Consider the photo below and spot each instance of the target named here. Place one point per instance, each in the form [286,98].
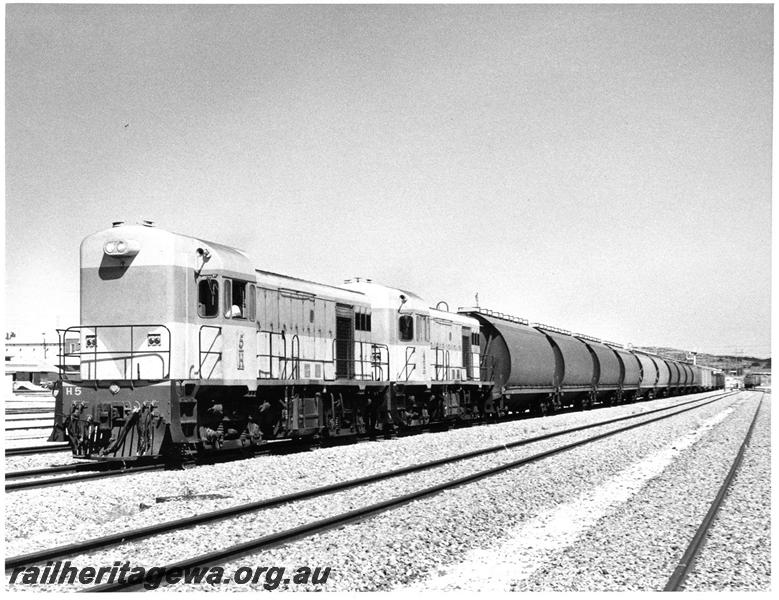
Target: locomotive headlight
[121,247]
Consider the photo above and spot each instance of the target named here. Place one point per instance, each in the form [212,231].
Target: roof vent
[117,223]
[147,223]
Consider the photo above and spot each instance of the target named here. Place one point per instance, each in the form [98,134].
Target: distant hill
[740,365]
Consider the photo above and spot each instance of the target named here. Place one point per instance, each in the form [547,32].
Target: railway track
[101,473]
[29,411]
[28,427]
[277,446]
[112,468]
[687,560]
[28,450]
[354,515]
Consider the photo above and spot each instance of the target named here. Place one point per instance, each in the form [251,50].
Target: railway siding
[638,546]
[539,539]
[736,555]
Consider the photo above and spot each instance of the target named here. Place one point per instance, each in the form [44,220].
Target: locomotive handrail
[374,361]
[349,360]
[203,355]
[285,361]
[405,369]
[436,362]
[371,363]
[294,358]
[270,356]
[378,364]
[470,372]
[445,365]
[94,352]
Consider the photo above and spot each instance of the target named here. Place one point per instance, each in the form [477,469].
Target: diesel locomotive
[184,348]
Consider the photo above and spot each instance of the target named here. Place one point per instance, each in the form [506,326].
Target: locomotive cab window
[239,300]
[406,328]
[207,298]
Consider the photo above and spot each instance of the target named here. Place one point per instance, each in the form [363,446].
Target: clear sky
[606,169]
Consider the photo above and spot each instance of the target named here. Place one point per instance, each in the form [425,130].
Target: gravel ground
[637,547]
[38,461]
[427,537]
[21,439]
[388,548]
[736,555]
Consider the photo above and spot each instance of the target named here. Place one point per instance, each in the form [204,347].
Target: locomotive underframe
[135,419]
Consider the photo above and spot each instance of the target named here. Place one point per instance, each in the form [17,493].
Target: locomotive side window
[362,321]
[238,300]
[251,305]
[406,328]
[228,298]
[208,298]
[423,328]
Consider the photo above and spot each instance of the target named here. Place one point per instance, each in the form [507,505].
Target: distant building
[37,362]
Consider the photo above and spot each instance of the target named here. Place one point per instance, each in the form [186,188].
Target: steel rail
[156,529]
[687,561]
[36,483]
[58,469]
[25,450]
[26,428]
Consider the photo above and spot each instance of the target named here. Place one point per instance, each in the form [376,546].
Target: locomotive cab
[163,316]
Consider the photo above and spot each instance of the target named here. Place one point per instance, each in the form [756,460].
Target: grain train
[187,348]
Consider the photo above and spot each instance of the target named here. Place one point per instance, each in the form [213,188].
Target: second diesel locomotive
[184,347]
